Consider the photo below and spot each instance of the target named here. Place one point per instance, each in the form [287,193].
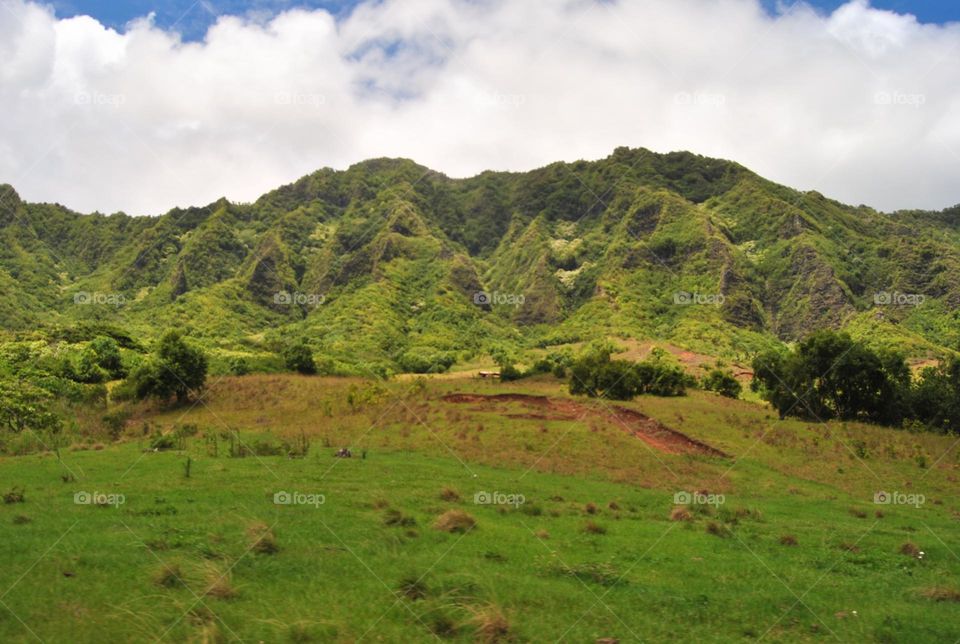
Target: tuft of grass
[169,575]
[449,495]
[717,529]
[264,540]
[849,547]
[218,584]
[788,540]
[455,521]
[590,508]
[21,519]
[680,514]
[491,624]
[941,594]
[599,573]
[910,548]
[592,527]
[14,495]
[412,587]
[398,518]
[857,512]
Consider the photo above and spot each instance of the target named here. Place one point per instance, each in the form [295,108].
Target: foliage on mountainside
[389,266]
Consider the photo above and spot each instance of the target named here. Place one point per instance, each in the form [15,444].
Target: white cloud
[863,104]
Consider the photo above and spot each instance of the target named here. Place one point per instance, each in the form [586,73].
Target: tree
[723,383]
[176,369]
[829,375]
[299,358]
[596,375]
[107,354]
[936,398]
[24,406]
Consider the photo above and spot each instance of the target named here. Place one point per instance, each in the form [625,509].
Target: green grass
[342,572]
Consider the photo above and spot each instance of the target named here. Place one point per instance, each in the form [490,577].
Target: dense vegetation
[388,267]
[596,375]
[829,375]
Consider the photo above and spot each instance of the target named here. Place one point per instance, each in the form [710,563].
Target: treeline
[831,376]
[594,374]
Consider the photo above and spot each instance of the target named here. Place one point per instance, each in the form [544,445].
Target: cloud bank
[862,105]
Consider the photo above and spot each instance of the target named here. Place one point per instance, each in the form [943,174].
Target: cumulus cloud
[861,104]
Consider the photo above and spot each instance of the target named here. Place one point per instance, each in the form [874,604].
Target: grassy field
[485,520]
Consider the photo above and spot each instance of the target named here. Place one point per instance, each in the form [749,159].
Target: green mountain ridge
[379,266]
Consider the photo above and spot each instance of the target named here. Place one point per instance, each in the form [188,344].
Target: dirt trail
[650,431]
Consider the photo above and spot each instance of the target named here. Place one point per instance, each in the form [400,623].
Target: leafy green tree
[107,353]
[596,375]
[723,383]
[299,357]
[87,369]
[24,406]
[936,398]
[176,369]
[831,376]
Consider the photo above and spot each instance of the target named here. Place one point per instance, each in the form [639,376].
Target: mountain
[391,266]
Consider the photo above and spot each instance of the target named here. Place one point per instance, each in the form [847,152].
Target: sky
[143,106]
[192,18]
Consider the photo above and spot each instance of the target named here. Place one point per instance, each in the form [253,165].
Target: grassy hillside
[599,547]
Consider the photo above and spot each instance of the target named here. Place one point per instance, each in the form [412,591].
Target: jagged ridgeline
[393,266]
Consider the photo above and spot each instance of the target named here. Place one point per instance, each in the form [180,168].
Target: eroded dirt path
[650,431]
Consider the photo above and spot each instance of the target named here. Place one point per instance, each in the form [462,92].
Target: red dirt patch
[650,431]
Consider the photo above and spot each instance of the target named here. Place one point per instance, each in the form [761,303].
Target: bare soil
[650,431]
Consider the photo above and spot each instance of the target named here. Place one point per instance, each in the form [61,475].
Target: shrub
[299,357]
[596,375]
[238,366]
[723,383]
[176,369]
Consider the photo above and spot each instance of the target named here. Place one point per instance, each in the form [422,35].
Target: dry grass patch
[910,548]
[455,521]
[591,527]
[681,514]
[218,584]
[264,541]
[941,594]
[449,495]
[492,624]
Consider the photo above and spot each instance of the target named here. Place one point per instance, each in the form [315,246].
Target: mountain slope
[380,265]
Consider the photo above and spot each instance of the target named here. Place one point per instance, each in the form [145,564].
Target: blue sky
[192,17]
